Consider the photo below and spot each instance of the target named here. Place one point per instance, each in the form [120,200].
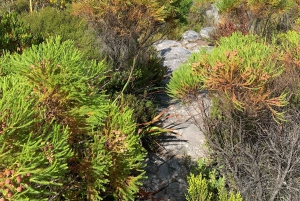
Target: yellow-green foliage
[14,35]
[143,15]
[33,154]
[289,40]
[198,188]
[122,144]
[238,71]
[289,80]
[247,80]
[205,186]
[184,81]
[50,21]
[61,138]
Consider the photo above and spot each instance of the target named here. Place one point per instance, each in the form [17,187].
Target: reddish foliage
[229,26]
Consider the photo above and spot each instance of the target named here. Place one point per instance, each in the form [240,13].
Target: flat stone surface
[165,44]
[172,53]
[190,35]
[172,57]
[186,121]
[206,32]
[192,46]
[173,64]
[163,171]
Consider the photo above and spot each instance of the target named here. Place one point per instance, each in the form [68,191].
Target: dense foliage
[32,6]
[14,35]
[262,17]
[205,184]
[128,28]
[82,145]
[251,127]
[53,22]
[61,137]
[75,110]
[239,70]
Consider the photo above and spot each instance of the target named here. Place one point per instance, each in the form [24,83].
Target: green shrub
[196,18]
[184,81]
[128,28]
[33,154]
[24,6]
[63,131]
[239,72]
[17,6]
[206,185]
[288,81]
[180,9]
[263,17]
[53,22]
[144,110]
[14,35]
[126,153]
[249,81]
[144,78]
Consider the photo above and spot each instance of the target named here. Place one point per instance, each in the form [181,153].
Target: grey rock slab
[171,53]
[173,57]
[193,135]
[206,48]
[162,195]
[176,191]
[174,188]
[174,165]
[165,44]
[191,112]
[191,143]
[172,65]
[206,32]
[190,35]
[155,160]
[163,172]
[212,15]
[192,46]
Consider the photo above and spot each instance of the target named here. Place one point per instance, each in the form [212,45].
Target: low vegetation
[251,128]
[77,116]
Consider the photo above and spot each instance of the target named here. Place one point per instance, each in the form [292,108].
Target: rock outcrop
[206,32]
[212,15]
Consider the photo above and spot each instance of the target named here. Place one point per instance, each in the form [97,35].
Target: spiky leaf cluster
[61,137]
[239,71]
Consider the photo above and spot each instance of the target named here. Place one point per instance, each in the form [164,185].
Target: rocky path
[167,169]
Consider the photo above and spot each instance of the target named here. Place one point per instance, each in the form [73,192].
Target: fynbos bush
[128,28]
[61,138]
[206,185]
[249,81]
